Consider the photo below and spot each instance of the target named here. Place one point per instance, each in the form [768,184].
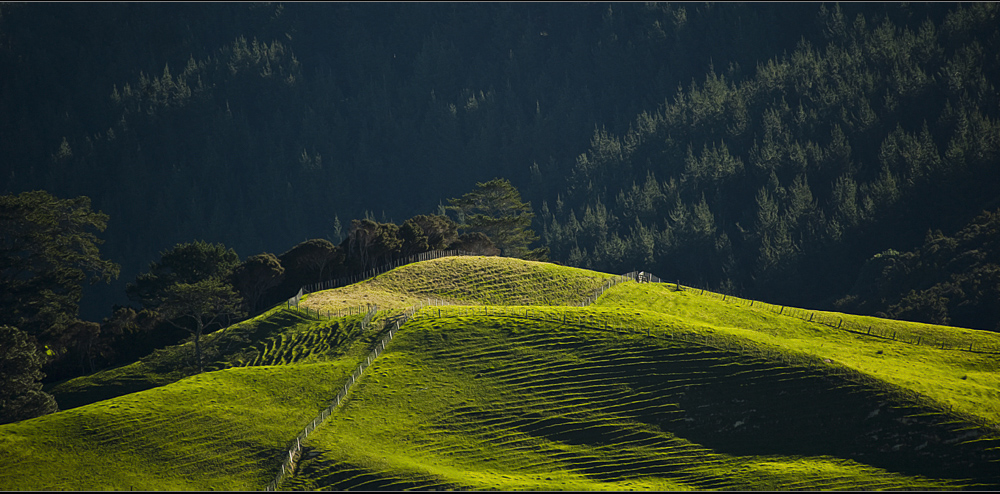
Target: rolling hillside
[507,382]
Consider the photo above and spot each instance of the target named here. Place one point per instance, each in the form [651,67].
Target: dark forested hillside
[782,184]
[766,148]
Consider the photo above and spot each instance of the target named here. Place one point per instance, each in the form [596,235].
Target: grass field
[964,381]
[218,430]
[470,401]
[510,385]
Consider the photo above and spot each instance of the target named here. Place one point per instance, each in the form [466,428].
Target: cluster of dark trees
[49,250]
[947,280]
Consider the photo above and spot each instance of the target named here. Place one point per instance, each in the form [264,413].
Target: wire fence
[838,321]
[329,314]
[633,276]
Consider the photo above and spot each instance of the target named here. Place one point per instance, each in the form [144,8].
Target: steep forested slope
[759,148]
[780,185]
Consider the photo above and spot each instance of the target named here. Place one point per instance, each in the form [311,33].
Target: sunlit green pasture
[510,385]
[219,430]
[465,400]
[466,279]
[277,336]
[965,381]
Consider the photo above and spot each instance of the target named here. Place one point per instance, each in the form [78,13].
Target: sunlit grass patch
[473,401]
[966,381]
[245,343]
[469,280]
[218,430]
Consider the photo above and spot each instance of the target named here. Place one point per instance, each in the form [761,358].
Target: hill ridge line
[838,322]
[373,272]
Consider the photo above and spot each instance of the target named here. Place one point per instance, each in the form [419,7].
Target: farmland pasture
[466,401]
[507,383]
[217,430]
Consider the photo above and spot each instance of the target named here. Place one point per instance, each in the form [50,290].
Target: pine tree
[496,210]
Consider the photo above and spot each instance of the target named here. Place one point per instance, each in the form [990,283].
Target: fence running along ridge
[839,322]
[331,314]
[634,275]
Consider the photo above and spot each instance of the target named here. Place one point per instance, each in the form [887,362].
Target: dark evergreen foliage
[21,395]
[184,263]
[255,276]
[48,252]
[495,209]
[778,186]
[947,280]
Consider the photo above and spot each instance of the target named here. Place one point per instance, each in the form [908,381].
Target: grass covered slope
[512,386]
[462,400]
[968,382]
[469,280]
[218,430]
[278,336]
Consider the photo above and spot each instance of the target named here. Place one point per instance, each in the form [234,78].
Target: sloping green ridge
[531,396]
[966,382]
[218,430]
[211,431]
[470,279]
[480,402]
[262,340]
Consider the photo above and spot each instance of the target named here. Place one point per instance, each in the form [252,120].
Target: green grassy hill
[511,385]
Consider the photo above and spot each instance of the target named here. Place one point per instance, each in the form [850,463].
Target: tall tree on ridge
[495,209]
[184,263]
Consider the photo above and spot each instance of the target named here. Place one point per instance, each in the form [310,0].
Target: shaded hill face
[781,184]
[517,402]
[222,120]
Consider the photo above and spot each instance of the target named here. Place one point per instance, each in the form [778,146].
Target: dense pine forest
[830,156]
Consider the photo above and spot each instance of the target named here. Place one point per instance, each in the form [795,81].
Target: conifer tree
[495,209]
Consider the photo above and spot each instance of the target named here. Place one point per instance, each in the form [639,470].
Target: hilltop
[506,381]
